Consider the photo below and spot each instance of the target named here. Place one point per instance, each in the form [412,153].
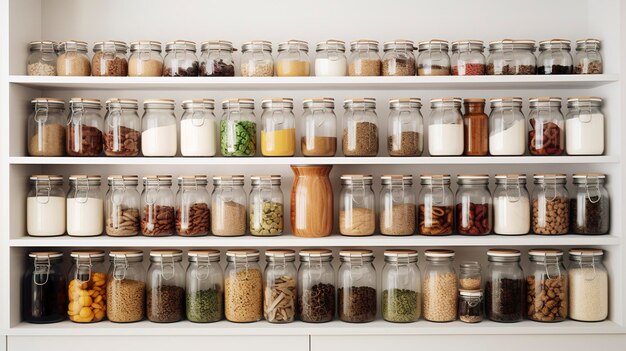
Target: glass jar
[256,59]
[445,130]
[433,59]
[238,128]
[216,59]
[364,59]
[192,206]
[126,286]
[109,59]
[439,287]
[243,286]
[180,59]
[357,207]
[550,204]
[471,306]
[45,206]
[397,205]
[476,128]
[198,128]
[436,205]
[266,206]
[584,126]
[588,59]
[279,298]
[42,59]
[547,286]
[84,128]
[507,127]
[588,285]
[504,290]
[122,206]
[554,57]
[330,60]
[228,206]
[590,204]
[360,127]
[511,57]
[402,287]
[405,127]
[470,276]
[205,286]
[467,58]
[511,205]
[398,59]
[356,292]
[87,288]
[546,136]
[473,205]
[320,128]
[44,296]
[157,200]
[122,128]
[158,125]
[278,132]
[85,206]
[145,59]
[311,210]
[46,127]
[165,298]
[316,286]
[73,59]
[293,59]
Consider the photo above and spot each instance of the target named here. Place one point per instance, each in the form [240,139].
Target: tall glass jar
[158,125]
[467,58]
[192,206]
[228,206]
[550,204]
[122,208]
[109,59]
[397,205]
[243,286]
[84,128]
[356,294]
[547,286]
[205,286]
[42,59]
[398,59]
[256,59]
[584,126]
[122,128]
[44,297]
[293,59]
[511,57]
[126,286]
[504,290]
[433,59]
[546,136]
[180,59]
[476,128]
[46,127]
[165,297]
[330,60]
[445,128]
[198,128]
[473,205]
[85,206]
[471,306]
[145,59]
[45,206]
[511,205]
[439,287]
[364,59]
[405,127]
[588,285]
[278,132]
[157,201]
[360,127]
[554,57]
[266,206]
[280,295]
[316,286]
[216,59]
[320,128]
[238,128]
[402,287]
[470,276]
[590,204]
[357,205]
[507,127]
[311,204]
[436,205]
[73,59]
[588,59]
[87,288]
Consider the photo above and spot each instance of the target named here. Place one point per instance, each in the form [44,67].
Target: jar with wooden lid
[238,128]
[584,126]
[159,131]
[228,206]
[44,298]
[109,59]
[316,286]
[546,136]
[504,290]
[42,58]
[45,206]
[180,59]
[46,127]
[398,210]
[278,132]
[126,286]
[364,59]
[192,206]
[204,286]
[398,59]
[436,205]
[507,127]
[311,209]
[165,295]
[547,286]
[446,127]
[356,294]
[360,128]
[266,209]
[122,207]
[293,59]
[554,57]
[439,286]
[145,59]
[402,287]
[511,57]
[216,59]
[467,58]
[85,206]
[198,128]
[243,286]
[256,59]
[280,294]
[87,287]
[473,205]
[158,202]
[73,59]
[588,59]
[511,205]
[588,285]
[476,128]
[330,60]
[405,127]
[122,128]
[433,58]
[84,128]
[590,204]
[550,204]
[357,205]
[320,128]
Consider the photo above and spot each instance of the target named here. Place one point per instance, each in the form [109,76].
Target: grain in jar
[46,127]
[192,206]
[320,128]
[589,285]
[126,287]
[266,208]
[439,287]
[228,206]
[588,59]
[357,207]
[546,286]
[470,277]
[433,58]
[280,293]
[122,206]
[42,58]
[398,210]
[45,206]
[204,286]
[84,128]
[87,287]
[356,294]
[158,215]
[360,128]
[109,59]
[145,59]
[550,205]
[293,59]
[256,59]
[243,286]
[165,294]
[364,59]
[330,60]
[398,59]
[73,59]
[85,206]
[405,127]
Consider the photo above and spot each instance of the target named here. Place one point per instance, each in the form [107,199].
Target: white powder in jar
[325,67]
[510,141]
[45,216]
[511,215]
[85,216]
[445,139]
[588,294]
[196,139]
[159,141]
[585,138]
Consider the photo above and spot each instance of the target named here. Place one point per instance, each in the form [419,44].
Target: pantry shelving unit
[24,20]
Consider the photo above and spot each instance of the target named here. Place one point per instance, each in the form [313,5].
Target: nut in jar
[87,288]
[547,286]
[550,207]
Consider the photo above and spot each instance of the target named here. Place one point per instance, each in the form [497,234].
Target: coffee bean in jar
[590,205]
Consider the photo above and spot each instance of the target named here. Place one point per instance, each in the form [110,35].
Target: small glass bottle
[192,206]
[364,59]
[198,128]
[473,205]
[228,206]
[357,207]
[180,59]
[109,59]
[73,59]
[405,127]
[45,206]
[85,206]
[46,127]
[280,295]
[204,286]
[439,287]
[550,204]
[590,204]
[316,286]
[507,127]
[356,294]
[44,298]
[165,296]
[511,57]
[266,206]
[122,206]
[216,59]
[278,131]
[471,306]
[554,57]
[436,205]
[145,59]
[584,126]
[320,128]
[84,128]
[330,60]
[126,286]
[588,59]
[122,128]
[398,210]
[476,128]
[504,289]
[546,136]
[547,286]
[87,288]
[588,285]
[243,286]
[398,59]
[238,128]
[433,59]
[256,59]
[360,128]
[402,287]
[470,276]
[158,125]
[42,59]
[467,58]
[445,128]
[293,59]
[511,205]
[157,201]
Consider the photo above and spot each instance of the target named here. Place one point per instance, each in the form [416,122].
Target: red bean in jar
[473,205]
[467,58]
[546,136]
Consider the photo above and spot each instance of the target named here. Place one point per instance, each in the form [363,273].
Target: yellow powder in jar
[291,68]
[279,142]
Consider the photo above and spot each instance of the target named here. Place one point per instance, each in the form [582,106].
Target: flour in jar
[159,141]
[85,216]
[198,138]
[326,67]
[585,138]
[45,216]
[510,141]
[445,139]
[511,215]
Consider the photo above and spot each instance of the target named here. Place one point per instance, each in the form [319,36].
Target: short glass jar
[109,59]
[470,275]
[439,287]
[46,127]
[330,60]
[433,59]
[467,58]
[204,286]
[473,205]
[266,206]
[216,59]
[228,206]
[165,296]
[554,57]
[122,207]
[73,59]
[360,128]
[87,287]
[84,128]
[584,126]
[293,59]
[511,205]
[320,128]
[357,206]
[278,131]
[436,205]
[280,295]
[192,206]
[398,210]
[85,206]
[476,128]
[316,286]
[256,59]
[546,136]
[547,286]
[504,290]
[126,286]
[398,59]
[198,128]
[588,285]
[158,216]
[402,287]
[590,204]
[511,57]
[158,125]
[145,59]
[44,298]
[446,127]
[42,58]
[122,128]
[507,127]
[405,127]
[588,59]
[364,59]
[45,206]
[356,294]
[238,128]
[550,204]
[471,306]
[243,286]
[180,59]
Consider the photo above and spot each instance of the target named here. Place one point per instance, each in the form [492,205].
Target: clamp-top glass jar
[356,285]
[198,128]
[238,128]
[405,127]
[205,286]
[216,59]
[42,59]
[158,124]
[192,206]
[360,127]
[126,286]
[467,58]
[588,285]
[550,204]
[398,59]
[473,205]
[471,306]
[511,205]
[397,205]
[439,287]
[476,128]
[293,59]
[546,136]
[122,128]
[46,127]
[445,129]
[145,59]
[87,288]
[402,287]
[256,59]
[165,296]
[590,204]
[507,127]
[243,286]
[364,59]
[44,298]
[85,206]
[266,206]
[511,57]
[330,60]
[278,131]
[73,59]
[180,59]
[554,57]
[357,206]
[547,286]
[228,206]
[436,205]
[588,59]
[84,128]
[504,290]
[122,206]
[280,296]
[433,59]
[316,286]
[45,206]
[109,59]
[584,126]
[157,201]
[320,128]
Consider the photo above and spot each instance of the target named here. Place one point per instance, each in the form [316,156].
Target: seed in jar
[357,304]
[165,303]
[257,70]
[439,302]
[592,67]
[205,305]
[41,69]
[408,144]
[398,220]
[433,70]
[511,70]
[52,141]
[362,140]
[317,304]
[399,67]
[243,296]
[469,69]
[364,67]
[125,300]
